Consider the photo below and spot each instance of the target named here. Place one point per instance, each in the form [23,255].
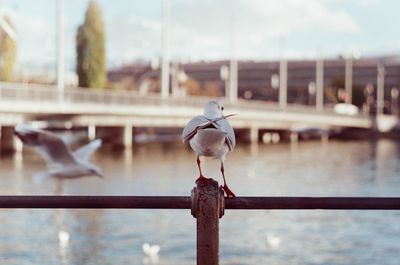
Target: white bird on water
[151,252]
[62,163]
[211,135]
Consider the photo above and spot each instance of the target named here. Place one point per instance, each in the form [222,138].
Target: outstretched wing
[194,124]
[70,139]
[84,152]
[49,145]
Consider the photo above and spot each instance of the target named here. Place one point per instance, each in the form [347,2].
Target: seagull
[273,240]
[151,252]
[211,135]
[63,238]
[62,163]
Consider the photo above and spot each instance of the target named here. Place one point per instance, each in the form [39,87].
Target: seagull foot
[228,192]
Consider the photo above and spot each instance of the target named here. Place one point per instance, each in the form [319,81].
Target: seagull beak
[100,175]
[230,115]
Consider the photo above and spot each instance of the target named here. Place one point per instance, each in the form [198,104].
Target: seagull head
[213,109]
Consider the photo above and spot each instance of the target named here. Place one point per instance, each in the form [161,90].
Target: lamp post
[380,90]
[282,76]
[319,83]
[349,79]
[224,74]
[165,51]
[60,50]
[394,93]
[312,89]
[233,64]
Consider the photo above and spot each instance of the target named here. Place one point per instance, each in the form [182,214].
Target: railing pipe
[313,203]
[184,202]
[96,202]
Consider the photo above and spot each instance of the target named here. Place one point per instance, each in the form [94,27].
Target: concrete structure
[113,115]
[254,79]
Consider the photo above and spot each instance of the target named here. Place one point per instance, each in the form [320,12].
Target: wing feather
[194,124]
[230,134]
[49,145]
[84,152]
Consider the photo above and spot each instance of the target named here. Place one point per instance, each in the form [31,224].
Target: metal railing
[74,95]
[207,205]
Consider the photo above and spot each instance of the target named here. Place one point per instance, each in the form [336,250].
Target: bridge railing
[207,204]
[35,93]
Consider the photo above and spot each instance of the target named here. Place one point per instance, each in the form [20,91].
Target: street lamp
[394,93]
[60,50]
[165,70]
[312,88]
[275,81]
[380,90]
[224,74]
[369,99]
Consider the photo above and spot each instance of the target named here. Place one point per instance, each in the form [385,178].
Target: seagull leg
[228,192]
[201,178]
[58,187]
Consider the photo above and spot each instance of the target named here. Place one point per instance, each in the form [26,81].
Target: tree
[90,48]
[8,52]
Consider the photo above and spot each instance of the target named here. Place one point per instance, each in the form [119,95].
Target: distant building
[260,80]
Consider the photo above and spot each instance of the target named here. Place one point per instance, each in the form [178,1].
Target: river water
[348,168]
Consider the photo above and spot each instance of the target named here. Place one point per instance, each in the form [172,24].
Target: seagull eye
[222,108]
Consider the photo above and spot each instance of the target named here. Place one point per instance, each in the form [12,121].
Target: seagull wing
[194,124]
[49,145]
[230,134]
[69,138]
[84,152]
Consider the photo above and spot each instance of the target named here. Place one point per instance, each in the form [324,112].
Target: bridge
[121,111]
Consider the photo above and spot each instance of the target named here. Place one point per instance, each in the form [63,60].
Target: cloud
[34,37]
[257,23]
[133,37]
[199,30]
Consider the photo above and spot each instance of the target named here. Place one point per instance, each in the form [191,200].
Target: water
[353,168]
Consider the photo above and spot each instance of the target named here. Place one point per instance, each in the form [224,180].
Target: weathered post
[207,208]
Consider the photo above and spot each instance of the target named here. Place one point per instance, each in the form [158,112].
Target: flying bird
[62,163]
[211,135]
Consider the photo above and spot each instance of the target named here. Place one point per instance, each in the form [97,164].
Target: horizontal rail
[184,202]
[74,95]
[96,202]
[313,203]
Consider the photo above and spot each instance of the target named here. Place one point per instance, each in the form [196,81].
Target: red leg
[201,177]
[198,165]
[228,192]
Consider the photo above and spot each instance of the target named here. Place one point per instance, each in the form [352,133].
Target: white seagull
[62,163]
[211,135]
[151,252]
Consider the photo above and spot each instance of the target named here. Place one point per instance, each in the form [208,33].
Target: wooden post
[207,208]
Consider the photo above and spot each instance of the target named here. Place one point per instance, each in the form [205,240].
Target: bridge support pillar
[8,141]
[253,135]
[127,136]
[91,132]
[294,137]
[117,136]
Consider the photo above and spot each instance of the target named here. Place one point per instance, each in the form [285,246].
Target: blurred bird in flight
[62,163]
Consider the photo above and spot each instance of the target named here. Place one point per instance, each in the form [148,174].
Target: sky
[205,29]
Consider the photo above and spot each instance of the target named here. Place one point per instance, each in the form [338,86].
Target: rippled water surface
[353,168]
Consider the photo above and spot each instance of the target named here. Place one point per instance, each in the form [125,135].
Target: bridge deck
[115,108]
